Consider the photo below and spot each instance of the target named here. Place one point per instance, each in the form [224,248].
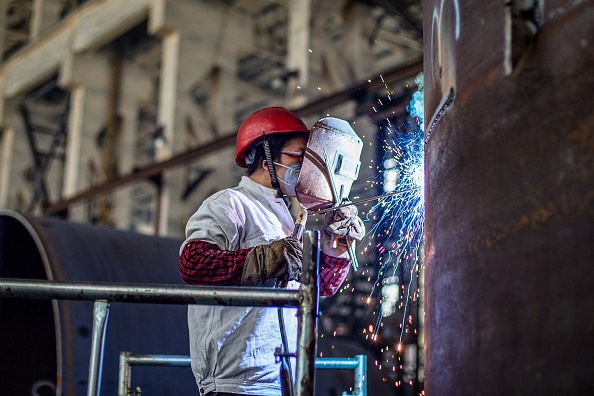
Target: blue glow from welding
[398,220]
[416,107]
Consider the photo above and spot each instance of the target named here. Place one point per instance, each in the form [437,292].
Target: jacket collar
[258,189]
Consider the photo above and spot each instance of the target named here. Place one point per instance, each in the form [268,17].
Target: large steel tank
[45,345]
[509,243]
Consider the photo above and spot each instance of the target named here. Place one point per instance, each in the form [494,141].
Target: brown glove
[280,259]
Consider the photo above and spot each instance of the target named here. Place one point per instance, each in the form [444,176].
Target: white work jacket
[232,348]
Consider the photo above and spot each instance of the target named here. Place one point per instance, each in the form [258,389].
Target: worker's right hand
[281,260]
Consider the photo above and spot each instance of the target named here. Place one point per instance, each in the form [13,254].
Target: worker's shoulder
[227,196]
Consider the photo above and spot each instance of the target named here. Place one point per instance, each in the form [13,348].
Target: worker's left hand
[344,222]
[280,259]
[341,227]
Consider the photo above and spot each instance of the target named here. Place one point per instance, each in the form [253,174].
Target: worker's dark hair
[275,142]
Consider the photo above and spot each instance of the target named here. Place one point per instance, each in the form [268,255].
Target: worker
[241,236]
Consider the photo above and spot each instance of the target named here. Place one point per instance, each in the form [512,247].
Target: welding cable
[300,224]
[286,370]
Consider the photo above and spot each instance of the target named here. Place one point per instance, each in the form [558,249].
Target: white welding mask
[332,159]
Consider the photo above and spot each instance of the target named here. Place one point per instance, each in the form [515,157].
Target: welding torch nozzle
[300,224]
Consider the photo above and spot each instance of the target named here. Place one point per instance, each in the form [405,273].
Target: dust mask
[290,177]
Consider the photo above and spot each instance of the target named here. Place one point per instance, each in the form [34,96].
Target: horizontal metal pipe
[158,360]
[184,361]
[337,363]
[147,293]
[357,363]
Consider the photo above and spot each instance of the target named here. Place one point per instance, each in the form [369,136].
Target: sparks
[398,220]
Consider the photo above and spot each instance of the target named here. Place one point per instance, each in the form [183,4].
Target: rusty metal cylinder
[45,345]
[509,243]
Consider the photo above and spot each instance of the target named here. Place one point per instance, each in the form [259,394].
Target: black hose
[286,371]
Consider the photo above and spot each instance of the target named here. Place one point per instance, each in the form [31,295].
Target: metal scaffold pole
[308,316]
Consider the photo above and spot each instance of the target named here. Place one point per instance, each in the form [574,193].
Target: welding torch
[337,202]
[364,200]
[297,234]
[300,224]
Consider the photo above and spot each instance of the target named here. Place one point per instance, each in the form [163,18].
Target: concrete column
[72,166]
[45,13]
[356,49]
[192,55]
[6,150]
[298,55]
[329,71]
[137,88]
[166,117]
[3,8]
[36,18]
[87,77]
[168,92]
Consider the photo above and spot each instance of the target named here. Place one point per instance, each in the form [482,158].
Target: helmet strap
[270,164]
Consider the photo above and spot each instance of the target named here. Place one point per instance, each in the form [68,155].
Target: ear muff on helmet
[264,122]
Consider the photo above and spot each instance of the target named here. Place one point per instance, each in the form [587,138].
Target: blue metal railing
[358,364]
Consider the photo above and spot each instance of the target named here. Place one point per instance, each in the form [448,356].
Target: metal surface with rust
[509,198]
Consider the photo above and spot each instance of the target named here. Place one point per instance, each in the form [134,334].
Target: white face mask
[290,177]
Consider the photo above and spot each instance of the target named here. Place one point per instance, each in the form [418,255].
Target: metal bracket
[523,19]
[279,353]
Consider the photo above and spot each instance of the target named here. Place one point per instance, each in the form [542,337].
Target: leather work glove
[344,222]
[280,259]
[339,224]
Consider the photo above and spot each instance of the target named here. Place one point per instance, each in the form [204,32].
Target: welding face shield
[332,159]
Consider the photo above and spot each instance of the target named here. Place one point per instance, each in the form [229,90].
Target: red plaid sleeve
[333,271]
[202,263]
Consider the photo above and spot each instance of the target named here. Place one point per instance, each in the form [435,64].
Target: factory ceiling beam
[93,25]
[320,105]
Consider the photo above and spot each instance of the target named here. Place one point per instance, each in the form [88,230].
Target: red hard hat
[266,121]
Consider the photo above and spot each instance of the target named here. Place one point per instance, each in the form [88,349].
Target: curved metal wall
[44,343]
[509,243]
